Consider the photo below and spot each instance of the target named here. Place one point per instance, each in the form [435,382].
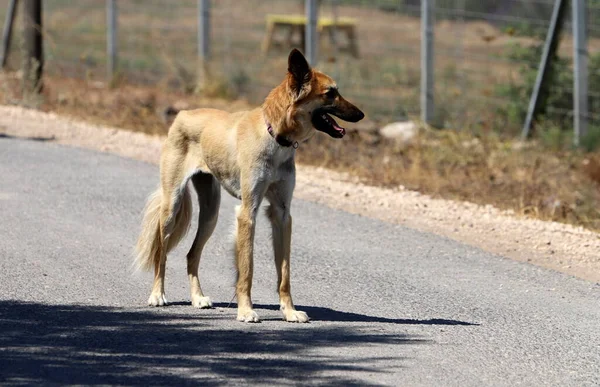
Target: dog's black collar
[281,140]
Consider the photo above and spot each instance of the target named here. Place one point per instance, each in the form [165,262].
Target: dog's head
[315,98]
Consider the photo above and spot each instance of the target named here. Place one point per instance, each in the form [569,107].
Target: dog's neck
[276,108]
[279,139]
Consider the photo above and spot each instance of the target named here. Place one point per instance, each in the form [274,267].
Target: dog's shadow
[318,313]
[91,345]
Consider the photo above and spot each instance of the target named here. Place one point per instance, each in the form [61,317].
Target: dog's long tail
[150,244]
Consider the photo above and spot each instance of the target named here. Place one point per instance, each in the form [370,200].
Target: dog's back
[212,141]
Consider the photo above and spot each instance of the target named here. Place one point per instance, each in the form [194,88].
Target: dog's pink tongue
[339,129]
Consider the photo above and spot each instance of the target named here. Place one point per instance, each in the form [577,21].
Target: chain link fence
[486,53]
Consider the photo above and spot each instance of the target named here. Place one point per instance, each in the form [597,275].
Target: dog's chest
[263,175]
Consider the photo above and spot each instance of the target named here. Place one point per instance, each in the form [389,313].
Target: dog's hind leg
[278,212]
[175,219]
[170,216]
[209,198]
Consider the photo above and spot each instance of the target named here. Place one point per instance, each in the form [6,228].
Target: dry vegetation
[484,168]
[528,178]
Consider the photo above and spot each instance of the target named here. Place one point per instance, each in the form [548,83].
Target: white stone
[403,132]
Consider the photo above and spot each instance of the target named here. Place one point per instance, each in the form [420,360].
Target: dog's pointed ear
[300,71]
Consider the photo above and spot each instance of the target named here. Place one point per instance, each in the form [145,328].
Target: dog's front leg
[244,248]
[280,196]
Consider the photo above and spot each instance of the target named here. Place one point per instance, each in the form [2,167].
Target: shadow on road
[42,139]
[326,314]
[73,344]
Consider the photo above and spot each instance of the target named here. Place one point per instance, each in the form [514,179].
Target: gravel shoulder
[565,248]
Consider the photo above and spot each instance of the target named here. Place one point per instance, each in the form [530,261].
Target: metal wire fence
[485,52]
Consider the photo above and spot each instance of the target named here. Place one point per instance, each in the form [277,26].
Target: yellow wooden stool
[296,24]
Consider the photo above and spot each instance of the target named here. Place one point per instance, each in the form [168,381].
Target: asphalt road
[389,305]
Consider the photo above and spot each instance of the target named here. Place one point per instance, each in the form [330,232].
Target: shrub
[557,112]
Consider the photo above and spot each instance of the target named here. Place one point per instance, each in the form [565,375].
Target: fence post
[33,66]
[310,32]
[541,88]
[111,39]
[580,71]
[203,21]
[203,29]
[427,60]
[334,14]
[7,33]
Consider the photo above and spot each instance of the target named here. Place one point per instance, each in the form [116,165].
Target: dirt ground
[565,248]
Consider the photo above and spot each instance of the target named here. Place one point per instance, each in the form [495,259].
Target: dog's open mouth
[325,123]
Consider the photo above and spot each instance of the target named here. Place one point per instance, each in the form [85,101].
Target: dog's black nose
[356,116]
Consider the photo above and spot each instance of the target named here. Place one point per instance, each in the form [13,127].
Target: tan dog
[250,154]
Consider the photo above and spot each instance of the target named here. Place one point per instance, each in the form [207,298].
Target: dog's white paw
[157,299]
[248,316]
[295,316]
[201,302]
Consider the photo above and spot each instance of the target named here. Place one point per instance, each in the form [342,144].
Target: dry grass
[137,108]
[528,178]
